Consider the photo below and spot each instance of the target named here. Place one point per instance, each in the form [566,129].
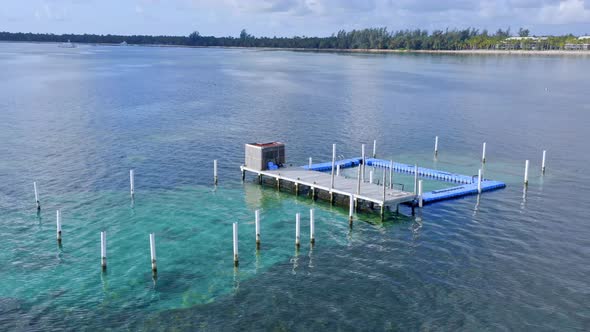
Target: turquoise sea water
[76,121]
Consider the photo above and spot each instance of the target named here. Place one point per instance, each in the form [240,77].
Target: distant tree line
[374,38]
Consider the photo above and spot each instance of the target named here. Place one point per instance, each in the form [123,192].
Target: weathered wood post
[483,153]
[257,226]
[37,196]
[543,162]
[103,250]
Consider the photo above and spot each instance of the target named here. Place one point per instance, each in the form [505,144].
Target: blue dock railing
[468,184]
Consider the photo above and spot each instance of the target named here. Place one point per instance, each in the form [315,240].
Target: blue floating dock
[468,184]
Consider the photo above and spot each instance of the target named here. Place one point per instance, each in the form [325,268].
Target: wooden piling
[483,153]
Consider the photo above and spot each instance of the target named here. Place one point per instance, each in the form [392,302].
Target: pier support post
[257,225]
[153,252]
[543,162]
[384,184]
[58,224]
[103,250]
[311,227]
[384,191]
[132,182]
[278,184]
[235,238]
[358,185]
[333,166]
[338,170]
[297,229]
[391,174]
[526,173]
[363,160]
[374,148]
[371,176]
[415,179]
[309,168]
[37,196]
[259,177]
[244,175]
[483,153]
[435,146]
[420,199]
[350,209]
[479,181]
[215,171]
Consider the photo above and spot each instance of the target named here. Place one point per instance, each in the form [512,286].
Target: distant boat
[124,43]
[69,44]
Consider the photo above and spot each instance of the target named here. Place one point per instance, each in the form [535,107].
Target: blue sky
[289,17]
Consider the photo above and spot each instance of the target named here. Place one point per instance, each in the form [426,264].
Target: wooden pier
[320,182]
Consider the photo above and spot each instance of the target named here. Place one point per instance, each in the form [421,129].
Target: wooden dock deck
[321,181]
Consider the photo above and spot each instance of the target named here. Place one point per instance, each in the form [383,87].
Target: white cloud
[566,12]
